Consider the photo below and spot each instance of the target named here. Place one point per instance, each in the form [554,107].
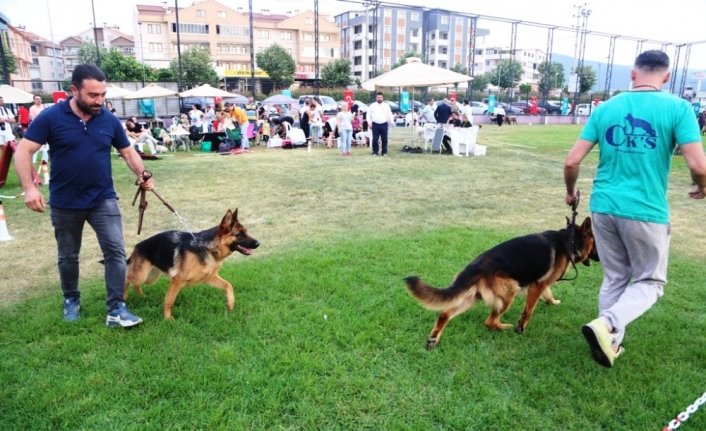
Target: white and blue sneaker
[72,309]
[121,316]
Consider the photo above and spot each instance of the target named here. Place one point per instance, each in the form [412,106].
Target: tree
[10,62]
[458,68]
[403,60]
[500,77]
[587,79]
[87,53]
[118,67]
[164,75]
[525,88]
[278,64]
[555,78]
[336,73]
[66,84]
[480,82]
[196,66]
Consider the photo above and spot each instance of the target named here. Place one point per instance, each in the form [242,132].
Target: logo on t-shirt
[634,133]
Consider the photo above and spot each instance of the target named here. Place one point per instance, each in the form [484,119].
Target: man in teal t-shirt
[637,133]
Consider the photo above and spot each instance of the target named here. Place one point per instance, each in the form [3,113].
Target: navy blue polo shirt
[81,172]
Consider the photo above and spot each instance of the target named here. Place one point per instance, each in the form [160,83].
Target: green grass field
[324,334]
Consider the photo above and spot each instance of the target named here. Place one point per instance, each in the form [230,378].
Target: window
[415,32]
[386,29]
[400,46]
[358,29]
[358,44]
[400,30]
[309,21]
[388,13]
[308,36]
[459,36]
[442,64]
[401,14]
[233,30]
[386,61]
[221,14]
[414,16]
[413,47]
[263,34]
[444,20]
[155,47]
[37,85]
[326,38]
[444,36]
[386,45]
[285,35]
[154,28]
[201,13]
[34,49]
[128,50]
[190,28]
[50,52]
[35,62]
[459,20]
[370,28]
[443,50]
[357,61]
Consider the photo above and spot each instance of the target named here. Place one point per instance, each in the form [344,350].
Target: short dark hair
[379,93]
[466,101]
[86,71]
[652,60]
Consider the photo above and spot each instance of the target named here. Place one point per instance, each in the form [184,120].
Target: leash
[142,193]
[572,239]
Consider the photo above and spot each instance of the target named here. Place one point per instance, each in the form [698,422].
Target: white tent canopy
[206,91]
[115,92]
[152,91]
[415,74]
[11,94]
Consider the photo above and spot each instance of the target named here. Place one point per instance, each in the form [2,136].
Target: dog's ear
[586,225]
[235,215]
[226,224]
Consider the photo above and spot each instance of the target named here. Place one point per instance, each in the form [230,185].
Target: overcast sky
[676,21]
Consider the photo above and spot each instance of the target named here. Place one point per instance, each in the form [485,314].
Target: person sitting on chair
[135,131]
[329,132]
[364,135]
[452,122]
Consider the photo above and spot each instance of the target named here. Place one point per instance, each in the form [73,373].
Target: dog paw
[519,329]
[431,343]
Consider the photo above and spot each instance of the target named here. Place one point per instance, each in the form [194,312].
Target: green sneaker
[601,342]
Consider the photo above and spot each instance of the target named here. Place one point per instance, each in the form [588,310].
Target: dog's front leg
[549,298]
[534,292]
[217,281]
[174,287]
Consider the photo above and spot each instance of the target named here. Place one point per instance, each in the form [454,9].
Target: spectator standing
[380,116]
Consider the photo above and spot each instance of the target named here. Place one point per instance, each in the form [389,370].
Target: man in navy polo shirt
[81,133]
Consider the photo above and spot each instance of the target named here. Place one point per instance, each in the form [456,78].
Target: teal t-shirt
[637,133]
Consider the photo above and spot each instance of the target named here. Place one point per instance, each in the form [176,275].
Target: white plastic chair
[468,141]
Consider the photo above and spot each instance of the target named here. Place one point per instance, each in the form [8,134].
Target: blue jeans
[344,137]
[380,130]
[244,141]
[106,221]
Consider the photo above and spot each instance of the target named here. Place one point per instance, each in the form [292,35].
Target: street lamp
[142,54]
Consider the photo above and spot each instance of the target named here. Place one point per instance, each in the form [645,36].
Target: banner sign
[404,101]
[491,104]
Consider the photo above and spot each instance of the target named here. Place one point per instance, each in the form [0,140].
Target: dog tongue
[245,250]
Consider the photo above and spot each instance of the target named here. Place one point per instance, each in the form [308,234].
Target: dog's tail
[435,299]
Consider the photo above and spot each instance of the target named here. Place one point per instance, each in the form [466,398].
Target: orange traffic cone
[45,172]
[4,234]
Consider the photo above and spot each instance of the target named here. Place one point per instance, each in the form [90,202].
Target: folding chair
[438,138]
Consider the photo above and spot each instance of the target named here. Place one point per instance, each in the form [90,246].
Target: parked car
[187,103]
[417,105]
[550,107]
[327,103]
[477,108]
[394,107]
[362,106]
[527,108]
[583,109]
[510,110]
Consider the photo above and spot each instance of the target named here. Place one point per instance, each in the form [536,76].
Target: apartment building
[487,60]
[47,67]
[19,45]
[109,37]
[443,37]
[225,32]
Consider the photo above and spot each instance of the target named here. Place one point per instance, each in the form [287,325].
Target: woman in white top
[344,124]
[315,122]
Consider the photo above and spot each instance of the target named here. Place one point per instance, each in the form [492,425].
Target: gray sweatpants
[634,259]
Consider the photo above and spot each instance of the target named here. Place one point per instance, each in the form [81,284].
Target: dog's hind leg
[534,292]
[217,281]
[493,321]
[444,319]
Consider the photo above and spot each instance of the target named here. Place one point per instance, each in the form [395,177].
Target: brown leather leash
[142,193]
[572,239]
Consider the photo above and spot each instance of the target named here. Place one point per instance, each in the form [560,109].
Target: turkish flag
[59,96]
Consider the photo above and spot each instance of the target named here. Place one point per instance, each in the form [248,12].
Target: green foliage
[120,68]
[403,60]
[459,68]
[336,73]
[525,88]
[555,78]
[358,83]
[10,61]
[279,65]
[66,85]
[480,82]
[196,67]
[164,75]
[88,53]
[587,78]
[500,77]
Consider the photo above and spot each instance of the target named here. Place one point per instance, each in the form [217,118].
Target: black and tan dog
[188,259]
[532,263]
[510,120]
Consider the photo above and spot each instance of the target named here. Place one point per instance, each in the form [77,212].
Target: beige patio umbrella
[115,92]
[11,94]
[151,91]
[206,91]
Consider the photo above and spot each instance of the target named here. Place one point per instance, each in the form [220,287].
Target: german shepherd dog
[510,120]
[188,259]
[531,263]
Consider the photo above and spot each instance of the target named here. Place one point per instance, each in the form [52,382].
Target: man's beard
[87,109]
